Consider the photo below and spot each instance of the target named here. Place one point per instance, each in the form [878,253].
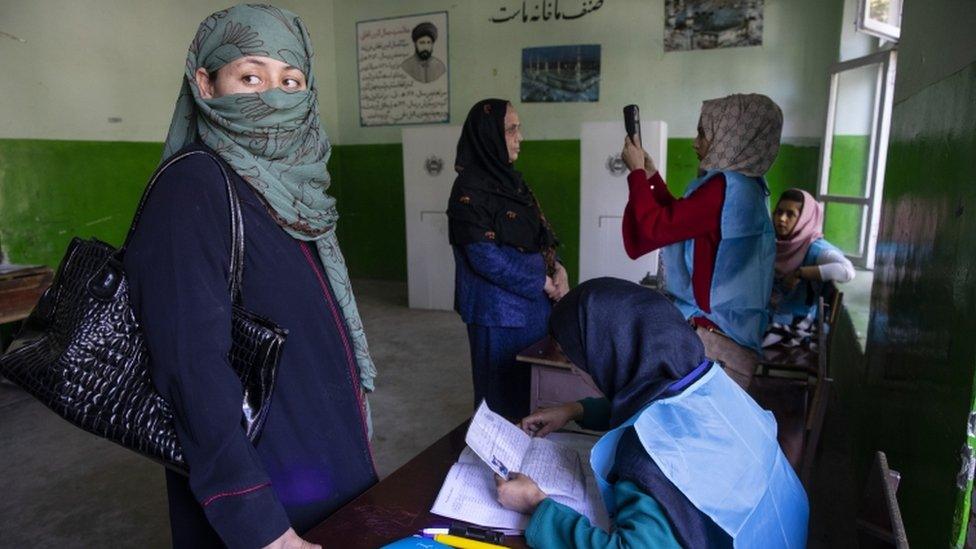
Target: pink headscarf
[809,227]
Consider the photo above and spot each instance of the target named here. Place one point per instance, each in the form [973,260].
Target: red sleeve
[653,218]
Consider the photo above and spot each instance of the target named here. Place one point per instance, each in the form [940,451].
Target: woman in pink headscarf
[804,261]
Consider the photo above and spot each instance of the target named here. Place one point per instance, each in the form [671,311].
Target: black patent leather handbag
[81,352]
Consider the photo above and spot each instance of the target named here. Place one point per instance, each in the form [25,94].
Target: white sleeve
[835,267]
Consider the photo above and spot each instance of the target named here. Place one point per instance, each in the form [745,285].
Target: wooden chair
[879,521]
[797,390]
[782,360]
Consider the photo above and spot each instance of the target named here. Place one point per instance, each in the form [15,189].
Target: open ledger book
[559,464]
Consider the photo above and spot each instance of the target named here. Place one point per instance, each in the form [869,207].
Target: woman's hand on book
[519,493]
[546,420]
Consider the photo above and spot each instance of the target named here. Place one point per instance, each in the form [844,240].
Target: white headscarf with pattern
[743,133]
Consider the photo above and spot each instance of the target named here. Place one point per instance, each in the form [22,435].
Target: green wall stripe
[551,168]
[795,166]
[367,181]
[848,173]
[51,191]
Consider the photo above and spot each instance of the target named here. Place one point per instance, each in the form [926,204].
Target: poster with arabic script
[403,70]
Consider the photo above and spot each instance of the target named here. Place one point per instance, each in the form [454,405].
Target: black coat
[313,455]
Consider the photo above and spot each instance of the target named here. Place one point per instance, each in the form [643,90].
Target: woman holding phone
[718,240]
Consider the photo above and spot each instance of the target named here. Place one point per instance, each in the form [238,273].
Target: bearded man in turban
[422,66]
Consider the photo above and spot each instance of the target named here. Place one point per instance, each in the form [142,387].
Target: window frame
[881,29]
[877,155]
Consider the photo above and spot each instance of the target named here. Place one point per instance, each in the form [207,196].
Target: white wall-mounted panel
[603,196]
[430,262]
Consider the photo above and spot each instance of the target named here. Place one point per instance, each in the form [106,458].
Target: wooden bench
[20,288]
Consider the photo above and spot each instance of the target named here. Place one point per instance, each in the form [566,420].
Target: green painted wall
[53,190]
[552,168]
[795,166]
[911,394]
[367,181]
[848,173]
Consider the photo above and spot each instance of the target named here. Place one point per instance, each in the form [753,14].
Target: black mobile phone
[632,122]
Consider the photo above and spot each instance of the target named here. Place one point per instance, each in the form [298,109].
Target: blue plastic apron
[719,448]
[742,279]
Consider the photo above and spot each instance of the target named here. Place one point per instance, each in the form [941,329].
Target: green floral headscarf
[273,139]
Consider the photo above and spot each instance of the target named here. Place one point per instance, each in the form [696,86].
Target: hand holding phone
[632,123]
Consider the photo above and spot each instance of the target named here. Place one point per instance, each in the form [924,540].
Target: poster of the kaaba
[708,24]
[403,70]
[555,74]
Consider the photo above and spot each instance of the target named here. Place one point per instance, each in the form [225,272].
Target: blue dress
[313,455]
[499,295]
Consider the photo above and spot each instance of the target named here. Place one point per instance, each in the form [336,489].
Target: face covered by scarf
[490,202]
[273,139]
[790,251]
[630,339]
[743,133]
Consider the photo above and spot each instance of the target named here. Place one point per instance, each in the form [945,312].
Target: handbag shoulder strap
[236,218]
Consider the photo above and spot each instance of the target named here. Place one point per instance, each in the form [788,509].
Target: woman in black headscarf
[504,253]
[689,460]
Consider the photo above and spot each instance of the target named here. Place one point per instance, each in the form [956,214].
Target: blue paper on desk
[415,542]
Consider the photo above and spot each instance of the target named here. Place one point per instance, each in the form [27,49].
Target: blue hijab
[631,340]
[637,347]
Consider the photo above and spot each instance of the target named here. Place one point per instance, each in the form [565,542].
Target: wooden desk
[20,288]
[399,505]
[554,380]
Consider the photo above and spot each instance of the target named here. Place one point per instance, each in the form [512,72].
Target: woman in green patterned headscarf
[274,139]
[249,99]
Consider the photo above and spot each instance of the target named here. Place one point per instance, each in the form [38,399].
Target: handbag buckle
[104,283]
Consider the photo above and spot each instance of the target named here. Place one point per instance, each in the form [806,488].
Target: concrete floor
[60,487]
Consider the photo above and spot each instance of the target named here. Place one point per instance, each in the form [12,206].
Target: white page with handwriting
[559,464]
[497,441]
[506,449]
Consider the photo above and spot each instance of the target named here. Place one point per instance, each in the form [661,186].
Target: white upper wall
[87,61]
[800,40]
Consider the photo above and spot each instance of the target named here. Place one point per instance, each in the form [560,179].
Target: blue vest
[801,301]
[743,277]
[719,448]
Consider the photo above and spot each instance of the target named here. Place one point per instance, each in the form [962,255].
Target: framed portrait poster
[403,70]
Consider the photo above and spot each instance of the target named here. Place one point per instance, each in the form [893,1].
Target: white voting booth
[603,196]
[428,174]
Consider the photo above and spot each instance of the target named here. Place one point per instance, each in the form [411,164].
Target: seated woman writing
[804,262]
[690,460]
